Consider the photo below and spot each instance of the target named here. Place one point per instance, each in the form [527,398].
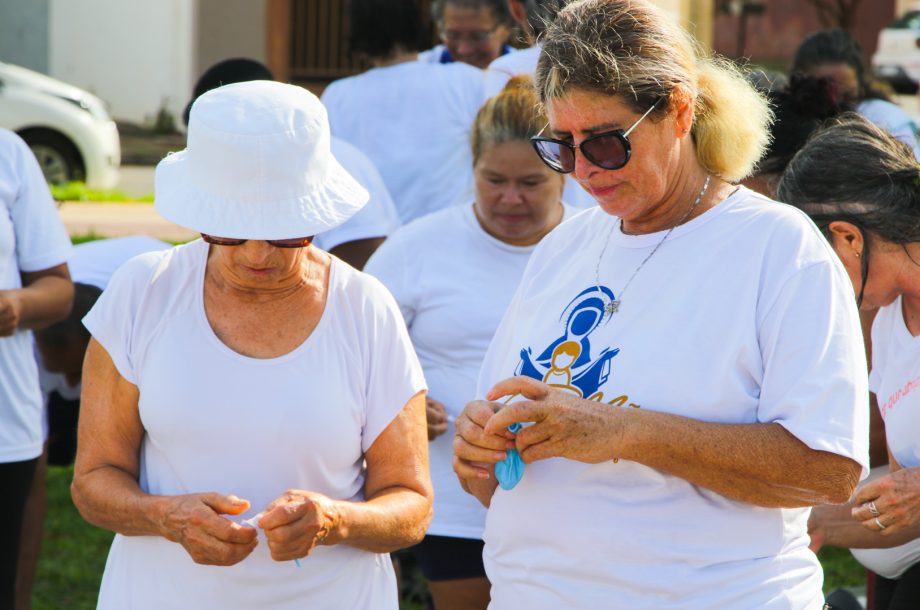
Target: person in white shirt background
[251,403]
[533,16]
[835,54]
[35,291]
[867,203]
[453,273]
[411,118]
[474,32]
[685,358]
[356,239]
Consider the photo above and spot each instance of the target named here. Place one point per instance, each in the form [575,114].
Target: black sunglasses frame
[621,135]
[278,243]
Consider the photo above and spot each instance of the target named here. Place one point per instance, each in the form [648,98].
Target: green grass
[77,191]
[73,557]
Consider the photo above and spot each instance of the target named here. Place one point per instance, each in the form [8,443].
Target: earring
[858,254]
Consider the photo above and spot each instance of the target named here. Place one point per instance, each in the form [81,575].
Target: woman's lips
[603,191]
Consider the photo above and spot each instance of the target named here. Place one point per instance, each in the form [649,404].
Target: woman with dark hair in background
[835,54]
[861,186]
[411,118]
[473,31]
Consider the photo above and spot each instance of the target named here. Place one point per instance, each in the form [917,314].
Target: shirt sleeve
[814,380]
[112,320]
[389,265]
[41,239]
[394,373]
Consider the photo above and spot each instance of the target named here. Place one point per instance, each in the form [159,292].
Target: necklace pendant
[612,307]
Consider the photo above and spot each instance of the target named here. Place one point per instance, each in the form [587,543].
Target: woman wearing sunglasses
[867,204]
[676,379]
[249,401]
[453,273]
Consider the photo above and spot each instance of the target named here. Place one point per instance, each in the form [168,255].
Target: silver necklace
[613,306]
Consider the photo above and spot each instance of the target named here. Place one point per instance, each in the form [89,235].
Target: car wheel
[57,156]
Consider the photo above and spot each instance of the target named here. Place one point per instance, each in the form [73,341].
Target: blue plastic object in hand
[511,469]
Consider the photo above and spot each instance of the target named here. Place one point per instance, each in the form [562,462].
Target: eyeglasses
[609,150]
[294,242]
[477,38]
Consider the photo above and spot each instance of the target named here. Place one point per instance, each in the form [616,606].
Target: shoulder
[522,61]
[882,111]
[364,293]
[157,266]
[434,227]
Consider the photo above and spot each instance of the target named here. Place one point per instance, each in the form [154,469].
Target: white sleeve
[814,380]
[112,320]
[41,239]
[394,373]
[389,265]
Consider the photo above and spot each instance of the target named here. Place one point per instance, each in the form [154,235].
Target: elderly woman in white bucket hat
[250,401]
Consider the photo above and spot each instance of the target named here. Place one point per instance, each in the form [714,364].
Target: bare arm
[760,464]
[46,297]
[398,494]
[105,486]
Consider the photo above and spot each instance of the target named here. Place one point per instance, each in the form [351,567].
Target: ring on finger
[873,510]
[880,525]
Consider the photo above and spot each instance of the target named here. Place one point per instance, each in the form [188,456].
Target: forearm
[110,498]
[45,301]
[839,528]
[760,464]
[395,518]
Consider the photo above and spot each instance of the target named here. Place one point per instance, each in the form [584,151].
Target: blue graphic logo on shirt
[568,362]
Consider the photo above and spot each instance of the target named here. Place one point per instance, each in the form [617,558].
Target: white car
[67,128]
[897,60]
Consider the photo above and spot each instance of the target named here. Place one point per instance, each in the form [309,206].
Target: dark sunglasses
[294,242]
[609,150]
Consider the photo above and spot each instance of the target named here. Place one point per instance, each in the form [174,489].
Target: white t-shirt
[432,55]
[744,315]
[895,381]
[216,420]
[452,281]
[413,121]
[376,219]
[32,238]
[891,118]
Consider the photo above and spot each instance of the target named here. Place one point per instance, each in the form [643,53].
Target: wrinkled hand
[475,452]
[564,425]
[10,312]
[436,416]
[298,522]
[195,522]
[897,501]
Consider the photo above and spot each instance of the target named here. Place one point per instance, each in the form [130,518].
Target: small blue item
[511,469]
[297,562]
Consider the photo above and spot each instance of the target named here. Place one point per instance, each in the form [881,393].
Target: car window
[908,21]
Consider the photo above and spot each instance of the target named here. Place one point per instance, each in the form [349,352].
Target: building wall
[230,28]
[137,55]
[24,33]
[774,36]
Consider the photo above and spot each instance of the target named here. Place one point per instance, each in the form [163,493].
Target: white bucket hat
[257,166]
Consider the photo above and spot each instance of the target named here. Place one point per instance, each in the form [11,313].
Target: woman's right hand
[195,522]
[475,452]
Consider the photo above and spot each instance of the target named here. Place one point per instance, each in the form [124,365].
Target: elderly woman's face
[472,35]
[517,196]
[635,190]
[257,264]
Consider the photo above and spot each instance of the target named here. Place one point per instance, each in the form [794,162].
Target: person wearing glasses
[253,415]
[473,32]
[867,204]
[410,118]
[453,273]
[680,374]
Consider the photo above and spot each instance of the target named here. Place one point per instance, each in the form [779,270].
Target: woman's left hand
[563,424]
[896,500]
[298,522]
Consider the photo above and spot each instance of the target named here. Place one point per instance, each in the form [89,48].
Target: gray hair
[499,9]
[540,13]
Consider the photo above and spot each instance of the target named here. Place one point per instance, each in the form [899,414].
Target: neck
[305,278]
[680,205]
[398,56]
[910,309]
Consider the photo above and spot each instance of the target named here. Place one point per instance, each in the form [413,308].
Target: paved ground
[119,219]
